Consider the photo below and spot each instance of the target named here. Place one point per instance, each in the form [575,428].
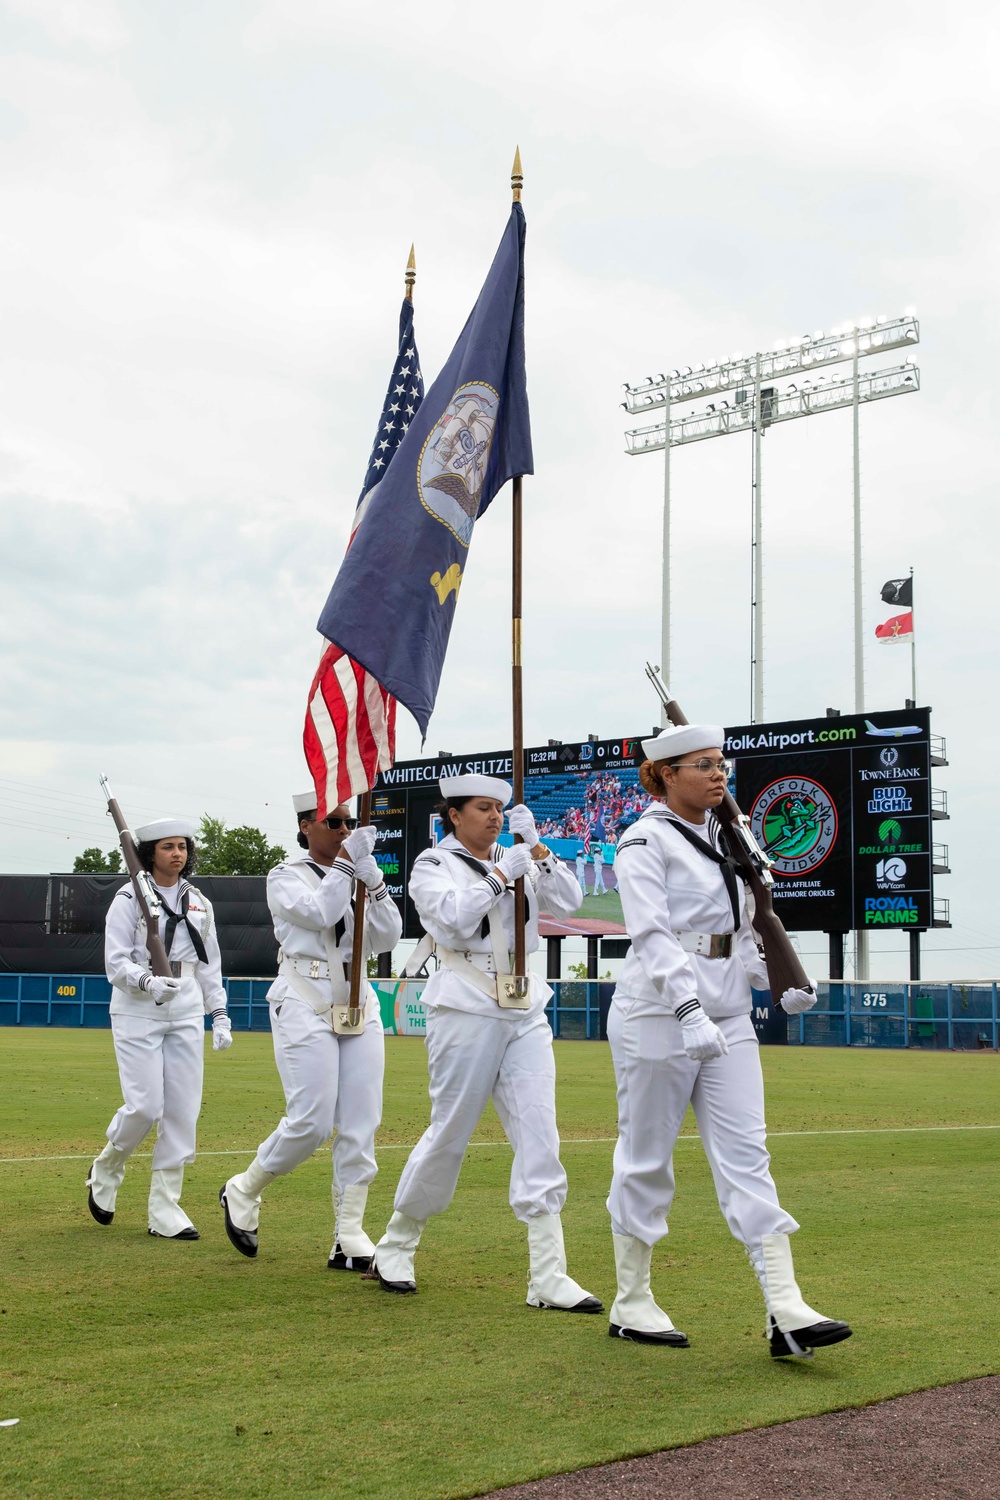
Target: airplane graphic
[892,734]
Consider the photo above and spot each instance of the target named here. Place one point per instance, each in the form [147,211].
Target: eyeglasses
[707,767]
[341,822]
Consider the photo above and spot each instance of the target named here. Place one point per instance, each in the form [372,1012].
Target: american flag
[586,837]
[350,729]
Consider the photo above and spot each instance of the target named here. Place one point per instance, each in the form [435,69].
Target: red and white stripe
[350,730]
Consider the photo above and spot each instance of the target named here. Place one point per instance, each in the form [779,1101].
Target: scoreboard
[841,805]
[843,808]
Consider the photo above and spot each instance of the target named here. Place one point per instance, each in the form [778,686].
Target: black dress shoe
[190,1233]
[245,1240]
[673,1338]
[816,1336]
[102,1215]
[405,1288]
[587,1305]
[340,1262]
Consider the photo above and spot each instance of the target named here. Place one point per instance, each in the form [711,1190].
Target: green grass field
[146,1368]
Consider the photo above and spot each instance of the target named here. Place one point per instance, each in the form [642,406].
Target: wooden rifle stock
[149,903]
[784,967]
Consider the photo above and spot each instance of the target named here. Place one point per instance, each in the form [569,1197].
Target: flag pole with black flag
[900,627]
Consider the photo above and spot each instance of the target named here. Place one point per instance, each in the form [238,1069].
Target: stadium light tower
[757,404]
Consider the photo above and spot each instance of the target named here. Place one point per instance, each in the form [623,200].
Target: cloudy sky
[208,209]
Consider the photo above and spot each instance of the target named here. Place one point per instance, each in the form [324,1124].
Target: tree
[93,862]
[234,851]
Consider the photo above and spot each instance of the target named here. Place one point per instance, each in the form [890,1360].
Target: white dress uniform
[681,910]
[477,1051]
[160,1048]
[600,889]
[581,870]
[331,1083]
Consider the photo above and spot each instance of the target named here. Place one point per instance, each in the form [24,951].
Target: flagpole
[913,645]
[517,695]
[354,1011]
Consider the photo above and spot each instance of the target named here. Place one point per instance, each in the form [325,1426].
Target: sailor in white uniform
[331,1083]
[477,1050]
[581,870]
[681,1033]
[158,1026]
[597,855]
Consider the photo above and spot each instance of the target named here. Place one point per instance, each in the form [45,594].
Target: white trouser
[472,1059]
[161,1064]
[656,1083]
[330,1083]
[581,877]
[599,880]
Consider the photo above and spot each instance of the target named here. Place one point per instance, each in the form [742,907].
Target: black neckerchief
[722,860]
[174,919]
[484,869]
[340,926]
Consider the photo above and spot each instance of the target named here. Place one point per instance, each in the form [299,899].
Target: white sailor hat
[682,738]
[304,802]
[165,828]
[476,786]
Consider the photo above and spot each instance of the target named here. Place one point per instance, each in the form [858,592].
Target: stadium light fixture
[791,357]
[758,404]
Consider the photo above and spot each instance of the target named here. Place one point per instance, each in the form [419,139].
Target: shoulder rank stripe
[630,842]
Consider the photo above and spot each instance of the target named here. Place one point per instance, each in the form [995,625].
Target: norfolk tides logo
[795,821]
[452,467]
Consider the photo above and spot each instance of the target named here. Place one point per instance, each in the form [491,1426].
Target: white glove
[794,1002]
[359,843]
[701,1037]
[515,862]
[222,1033]
[369,870]
[520,820]
[161,989]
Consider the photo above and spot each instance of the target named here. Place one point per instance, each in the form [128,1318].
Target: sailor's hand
[794,1002]
[368,869]
[701,1037]
[521,821]
[515,863]
[359,843]
[222,1033]
[161,989]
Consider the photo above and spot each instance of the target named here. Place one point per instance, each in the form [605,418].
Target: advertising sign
[842,806]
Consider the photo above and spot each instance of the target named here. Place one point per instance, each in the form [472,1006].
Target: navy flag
[393,601]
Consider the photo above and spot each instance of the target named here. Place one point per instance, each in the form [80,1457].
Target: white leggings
[161,1064]
[471,1059]
[656,1083]
[330,1083]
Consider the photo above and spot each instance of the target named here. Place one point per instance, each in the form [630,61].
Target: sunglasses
[341,822]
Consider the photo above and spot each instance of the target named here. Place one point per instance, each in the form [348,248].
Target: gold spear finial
[516,175]
[411,275]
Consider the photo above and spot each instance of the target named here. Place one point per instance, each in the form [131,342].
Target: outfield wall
[954,1014]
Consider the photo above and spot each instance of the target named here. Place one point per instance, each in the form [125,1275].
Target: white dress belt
[311,968]
[181,968]
[707,944]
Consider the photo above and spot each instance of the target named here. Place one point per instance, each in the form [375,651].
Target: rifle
[784,968]
[149,902]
